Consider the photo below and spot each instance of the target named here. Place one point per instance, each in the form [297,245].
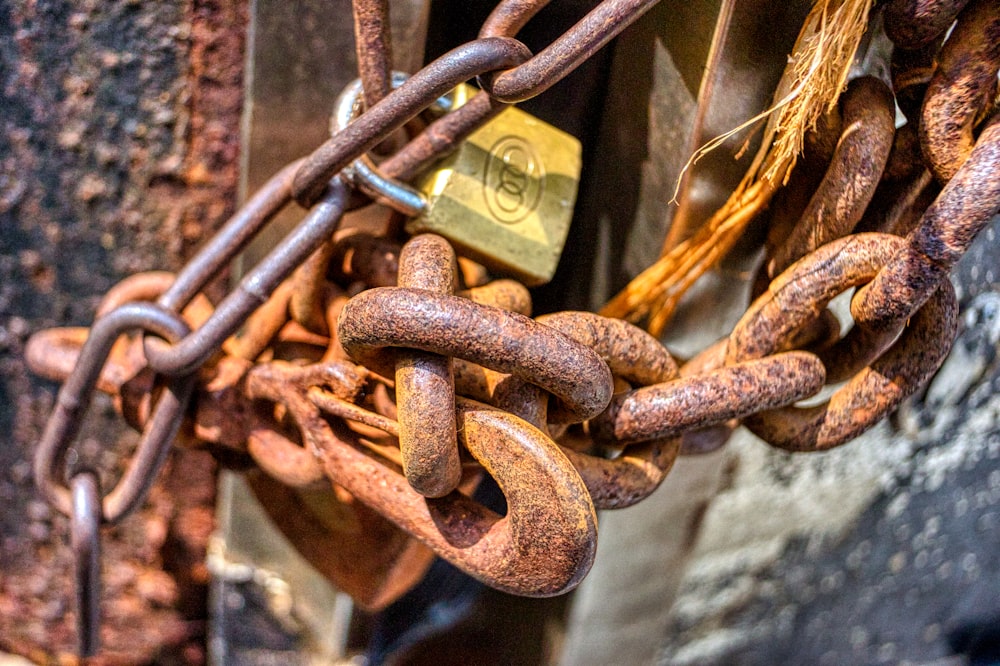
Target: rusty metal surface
[85,538]
[95,149]
[425,382]
[302,56]
[670,409]
[636,612]
[491,337]
[373,44]
[568,51]
[840,199]
[945,232]
[908,573]
[914,23]
[961,89]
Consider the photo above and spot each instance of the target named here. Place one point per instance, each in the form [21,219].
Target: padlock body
[505,197]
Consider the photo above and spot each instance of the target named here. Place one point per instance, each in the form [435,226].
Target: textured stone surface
[118,152]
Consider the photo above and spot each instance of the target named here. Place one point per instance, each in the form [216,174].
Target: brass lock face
[505,197]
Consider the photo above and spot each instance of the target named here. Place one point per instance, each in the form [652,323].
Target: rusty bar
[670,409]
[566,53]
[912,71]
[85,537]
[969,200]
[542,547]
[509,16]
[873,392]
[504,294]
[631,354]
[494,338]
[425,382]
[911,24]
[629,478]
[794,299]
[441,137]
[790,201]
[373,43]
[629,351]
[855,170]
[612,483]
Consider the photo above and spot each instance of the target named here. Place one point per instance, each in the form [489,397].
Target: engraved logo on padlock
[513,180]
[505,197]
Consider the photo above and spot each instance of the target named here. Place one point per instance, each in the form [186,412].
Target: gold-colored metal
[505,196]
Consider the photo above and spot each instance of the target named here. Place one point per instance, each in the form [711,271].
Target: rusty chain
[398,375]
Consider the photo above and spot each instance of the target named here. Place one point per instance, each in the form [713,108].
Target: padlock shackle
[399,106]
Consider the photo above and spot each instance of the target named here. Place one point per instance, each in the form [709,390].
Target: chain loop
[373,45]
[847,188]
[637,357]
[496,339]
[74,398]
[545,543]
[875,391]
[425,381]
[962,87]
[362,172]
[797,297]
[671,408]
[185,356]
[389,434]
[969,200]
[566,53]
[282,383]
[911,24]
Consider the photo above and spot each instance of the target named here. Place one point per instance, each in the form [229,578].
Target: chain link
[74,398]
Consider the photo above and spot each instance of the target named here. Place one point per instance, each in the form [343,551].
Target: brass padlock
[505,197]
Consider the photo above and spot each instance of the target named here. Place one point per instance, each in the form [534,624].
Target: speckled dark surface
[119,128]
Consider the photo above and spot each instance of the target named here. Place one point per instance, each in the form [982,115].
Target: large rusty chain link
[367,384]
